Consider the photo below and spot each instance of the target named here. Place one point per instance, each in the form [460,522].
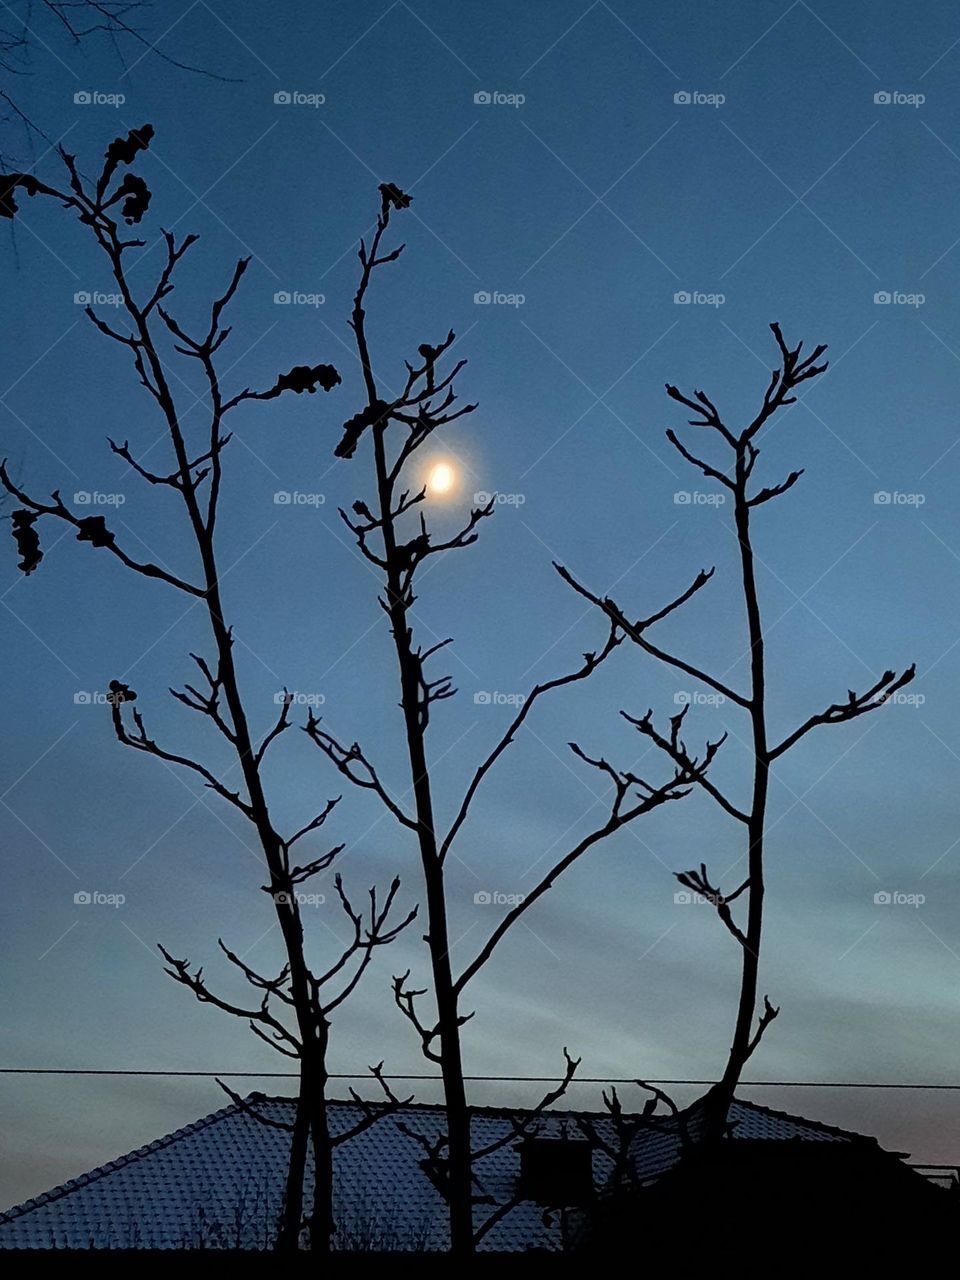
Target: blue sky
[598,198]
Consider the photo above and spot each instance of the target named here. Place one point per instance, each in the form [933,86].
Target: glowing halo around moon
[442,479]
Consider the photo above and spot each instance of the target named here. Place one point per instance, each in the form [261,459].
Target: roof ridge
[820,1125]
[439,1106]
[120,1162]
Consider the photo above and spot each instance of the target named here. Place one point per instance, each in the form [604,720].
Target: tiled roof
[657,1147]
[219,1182]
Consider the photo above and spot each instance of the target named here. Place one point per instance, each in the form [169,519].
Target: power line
[487,1079]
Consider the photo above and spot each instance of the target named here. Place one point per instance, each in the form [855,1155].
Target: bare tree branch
[623,782]
[635,630]
[856,705]
[347,760]
[590,663]
[93,529]
[677,751]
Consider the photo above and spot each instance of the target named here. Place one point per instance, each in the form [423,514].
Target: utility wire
[361,1075]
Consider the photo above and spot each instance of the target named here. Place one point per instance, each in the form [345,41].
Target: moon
[442,478]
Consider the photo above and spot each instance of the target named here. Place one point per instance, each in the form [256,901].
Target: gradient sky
[599,198]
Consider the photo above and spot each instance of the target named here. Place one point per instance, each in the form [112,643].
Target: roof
[219,1181]
[657,1147]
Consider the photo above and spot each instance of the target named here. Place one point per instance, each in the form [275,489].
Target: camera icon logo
[482,899]
[682,298]
[483,298]
[82,298]
[682,898]
[82,98]
[682,498]
[283,899]
[482,698]
[283,298]
[282,98]
[883,298]
[82,899]
[482,98]
[82,498]
[882,498]
[682,98]
[82,698]
[883,898]
[882,98]
[282,498]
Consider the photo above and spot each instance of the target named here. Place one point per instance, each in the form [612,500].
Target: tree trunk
[311,1103]
[722,1095]
[288,1238]
[321,1223]
[448,1019]
[459,1156]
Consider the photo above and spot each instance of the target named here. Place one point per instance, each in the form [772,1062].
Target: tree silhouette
[298,993]
[751,1023]
[393,430]
[54,24]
